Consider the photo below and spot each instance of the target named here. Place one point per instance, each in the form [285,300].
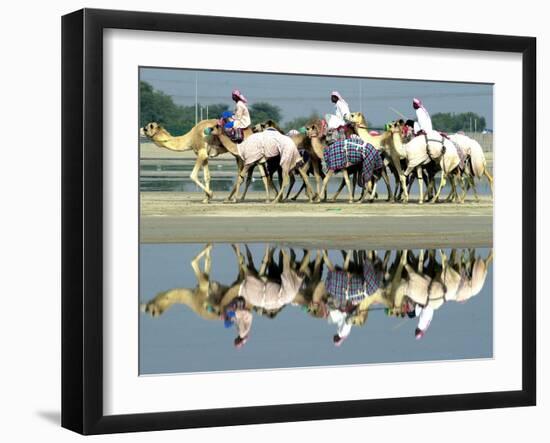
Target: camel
[476,159]
[356,148]
[203,145]
[258,148]
[423,149]
[207,299]
[262,126]
[382,142]
[312,164]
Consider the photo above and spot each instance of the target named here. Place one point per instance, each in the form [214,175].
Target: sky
[300,95]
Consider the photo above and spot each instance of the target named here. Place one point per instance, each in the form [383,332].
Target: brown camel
[217,130]
[317,136]
[208,298]
[204,146]
[384,143]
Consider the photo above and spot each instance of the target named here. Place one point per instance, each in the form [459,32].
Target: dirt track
[170,217]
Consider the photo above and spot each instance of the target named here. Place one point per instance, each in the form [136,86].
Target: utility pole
[196,97]
[206,112]
[360,97]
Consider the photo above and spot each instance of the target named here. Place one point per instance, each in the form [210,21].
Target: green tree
[298,122]
[451,122]
[215,111]
[156,106]
[263,111]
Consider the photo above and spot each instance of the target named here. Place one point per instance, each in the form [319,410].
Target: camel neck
[228,144]
[180,143]
[398,144]
[317,145]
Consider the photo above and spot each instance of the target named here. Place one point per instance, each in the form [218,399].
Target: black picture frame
[82,220]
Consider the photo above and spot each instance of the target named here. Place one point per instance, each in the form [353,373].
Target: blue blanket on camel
[353,151]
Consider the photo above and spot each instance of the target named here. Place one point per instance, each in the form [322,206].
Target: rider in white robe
[423,120]
[342,112]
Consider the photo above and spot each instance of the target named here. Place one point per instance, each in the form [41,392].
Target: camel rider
[342,111]
[425,315]
[236,313]
[241,117]
[423,122]
[343,325]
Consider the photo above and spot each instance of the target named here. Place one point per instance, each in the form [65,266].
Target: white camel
[423,149]
[476,158]
[259,147]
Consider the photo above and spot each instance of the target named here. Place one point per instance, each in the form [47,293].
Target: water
[176,339]
[225,183]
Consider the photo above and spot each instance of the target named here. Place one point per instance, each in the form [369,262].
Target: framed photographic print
[269,221]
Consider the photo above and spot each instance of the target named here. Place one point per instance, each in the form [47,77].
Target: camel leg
[201,157]
[441,185]
[324,186]
[305,168]
[239,169]
[420,266]
[327,261]
[458,180]
[284,184]
[270,182]
[404,187]
[353,186]
[402,179]
[474,187]
[347,259]
[386,179]
[240,179]
[299,192]
[396,280]
[398,192]
[371,192]
[266,260]
[247,183]
[203,278]
[317,175]
[309,190]
[265,179]
[241,268]
[453,195]
[490,178]
[348,184]
[206,176]
[430,187]
[464,180]
[339,190]
[290,186]
[420,183]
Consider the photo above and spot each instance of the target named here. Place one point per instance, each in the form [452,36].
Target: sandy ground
[174,217]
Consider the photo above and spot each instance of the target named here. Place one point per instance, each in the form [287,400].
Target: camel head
[314,129]
[156,306]
[357,118]
[262,126]
[396,130]
[215,129]
[151,129]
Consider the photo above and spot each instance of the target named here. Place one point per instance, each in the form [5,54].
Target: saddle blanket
[461,154]
[353,151]
[348,288]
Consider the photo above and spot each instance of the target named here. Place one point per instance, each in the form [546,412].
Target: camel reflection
[340,287]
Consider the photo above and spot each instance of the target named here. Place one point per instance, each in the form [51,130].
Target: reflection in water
[337,287]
